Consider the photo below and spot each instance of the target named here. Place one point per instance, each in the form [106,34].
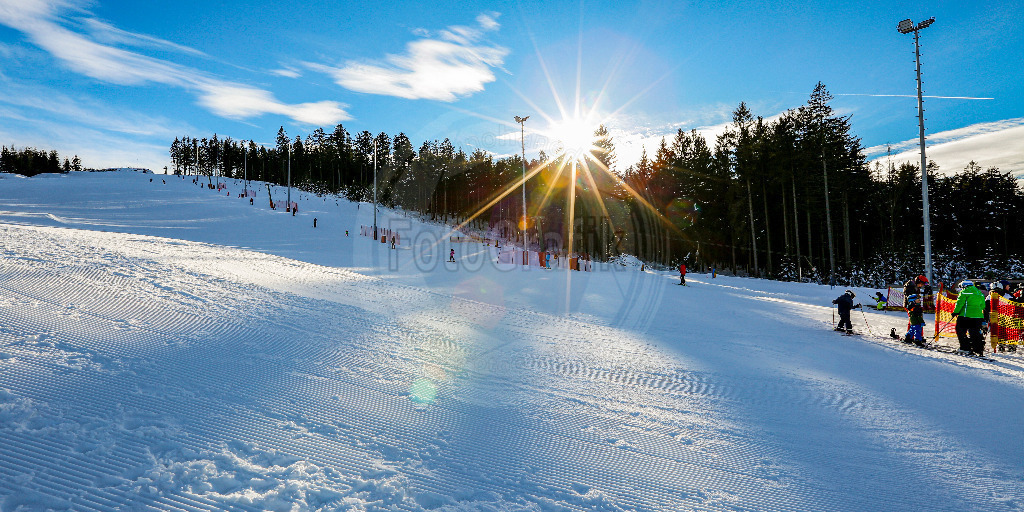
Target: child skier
[682,274]
[845,303]
[451,256]
[880,301]
[915,312]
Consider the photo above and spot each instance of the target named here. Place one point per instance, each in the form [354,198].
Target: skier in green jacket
[969,314]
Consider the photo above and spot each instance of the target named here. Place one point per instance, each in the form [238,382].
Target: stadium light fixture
[905,27]
[522,142]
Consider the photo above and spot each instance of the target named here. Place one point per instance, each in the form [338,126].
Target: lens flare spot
[484,304]
[422,391]
[682,212]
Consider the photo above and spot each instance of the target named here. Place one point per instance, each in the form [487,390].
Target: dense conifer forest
[788,198]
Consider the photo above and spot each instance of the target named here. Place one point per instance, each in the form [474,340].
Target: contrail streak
[914,96]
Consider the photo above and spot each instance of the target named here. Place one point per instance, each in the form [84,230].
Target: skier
[451,256]
[915,334]
[918,286]
[314,222]
[250,201]
[880,301]
[682,274]
[346,232]
[392,241]
[1002,288]
[845,304]
[969,310]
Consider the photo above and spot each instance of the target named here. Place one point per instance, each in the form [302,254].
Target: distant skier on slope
[845,304]
[451,256]
[682,274]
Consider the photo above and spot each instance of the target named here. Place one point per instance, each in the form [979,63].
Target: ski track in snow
[161,374]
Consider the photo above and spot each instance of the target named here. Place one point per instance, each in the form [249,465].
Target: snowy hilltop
[167,346]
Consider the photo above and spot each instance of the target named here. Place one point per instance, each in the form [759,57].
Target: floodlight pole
[245,168]
[374,188]
[924,160]
[522,147]
[289,175]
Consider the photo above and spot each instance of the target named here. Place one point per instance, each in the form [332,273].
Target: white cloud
[488,21]
[40,21]
[287,72]
[994,144]
[630,143]
[107,33]
[455,63]
[35,102]
[242,101]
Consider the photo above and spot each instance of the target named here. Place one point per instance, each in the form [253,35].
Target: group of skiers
[970,312]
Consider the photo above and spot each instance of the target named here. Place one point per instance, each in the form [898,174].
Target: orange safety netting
[1006,322]
[945,303]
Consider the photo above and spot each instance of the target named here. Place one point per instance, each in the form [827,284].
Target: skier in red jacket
[682,274]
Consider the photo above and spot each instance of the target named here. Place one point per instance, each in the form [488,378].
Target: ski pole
[866,324]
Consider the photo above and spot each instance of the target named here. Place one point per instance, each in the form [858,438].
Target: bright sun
[576,137]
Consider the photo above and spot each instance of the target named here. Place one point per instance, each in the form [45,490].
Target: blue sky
[115,82]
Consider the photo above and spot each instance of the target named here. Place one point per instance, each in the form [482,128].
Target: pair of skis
[939,348]
[924,346]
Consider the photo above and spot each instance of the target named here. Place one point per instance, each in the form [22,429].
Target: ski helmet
[966,283]
[922,279]
[850,293]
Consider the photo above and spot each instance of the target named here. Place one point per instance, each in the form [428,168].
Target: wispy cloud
[36,102]
[456,62]
[287,72]
[241,101]
[44,23]
[109,34]
[914,96]
[632,138]
[994,144]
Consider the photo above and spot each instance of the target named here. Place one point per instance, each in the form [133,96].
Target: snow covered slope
[164,347]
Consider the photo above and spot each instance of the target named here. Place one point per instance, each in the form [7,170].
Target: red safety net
[1006,322]
[945,326]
